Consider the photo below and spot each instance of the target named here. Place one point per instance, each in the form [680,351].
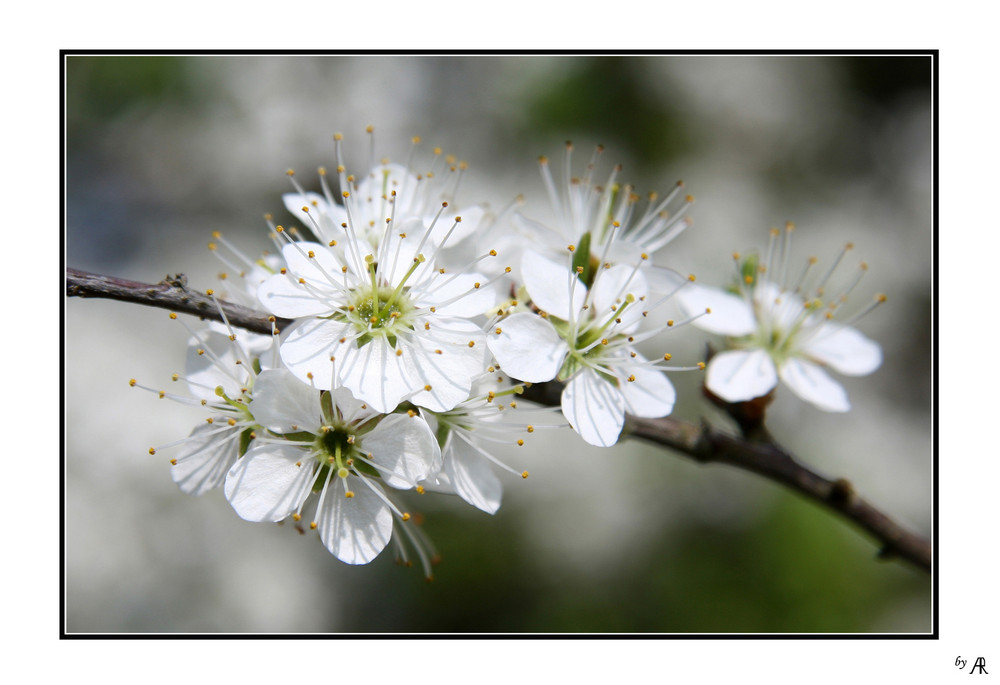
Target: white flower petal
[205,458]
[731,315]
[844,349]
[594,408]
[215,366]
[549,283]
[308,348]
[527,348]
[814,385]
[269,482]
[741,375]
[662,280]
[462,294]
[471,476]
[651,395]
[375,374]
[328,216]
[377,187]
[442,358]
[404,448]
[609,293]
[284,404]
[314,262]
[399,249]
[282,295]
[474,220]
[781,308]
[355,529]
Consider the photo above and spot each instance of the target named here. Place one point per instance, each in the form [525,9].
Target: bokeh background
[161,151]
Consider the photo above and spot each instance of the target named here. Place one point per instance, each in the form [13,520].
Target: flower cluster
[418,323]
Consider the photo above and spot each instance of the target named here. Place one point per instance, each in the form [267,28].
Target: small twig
[755,451]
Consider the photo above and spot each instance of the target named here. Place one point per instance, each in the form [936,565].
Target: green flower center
[380,311]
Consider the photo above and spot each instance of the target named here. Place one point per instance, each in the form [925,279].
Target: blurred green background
[161,151]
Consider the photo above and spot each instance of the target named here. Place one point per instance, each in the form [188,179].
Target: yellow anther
[209,420]
[472,343]
[312,526]
[499,330]
[212,246]
[571,248]
[667,357]
[691,277]
[438,352]
[736,256]
[520,443]
[493,253]
[531,429]
[152,451]
[775,232]
[670,322]
[644,256]
[173,462]
[427,388]
[406,516]
[748,280]
[162,394]
[311,254]
[231,422]
[338,136]
[399,352]
[296,516]
[701,365]
[131,382]
[631,378]
[411,413]
[708,310]
[881,297]
[420,489]
[172,315]
[524,474]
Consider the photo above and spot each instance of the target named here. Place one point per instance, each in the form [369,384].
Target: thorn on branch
[841,493]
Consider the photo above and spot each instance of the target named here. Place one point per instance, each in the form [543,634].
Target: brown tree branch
[171,293]
[754,451]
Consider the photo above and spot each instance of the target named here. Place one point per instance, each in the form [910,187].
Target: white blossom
[586,338]
[331,444]
[784,329]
